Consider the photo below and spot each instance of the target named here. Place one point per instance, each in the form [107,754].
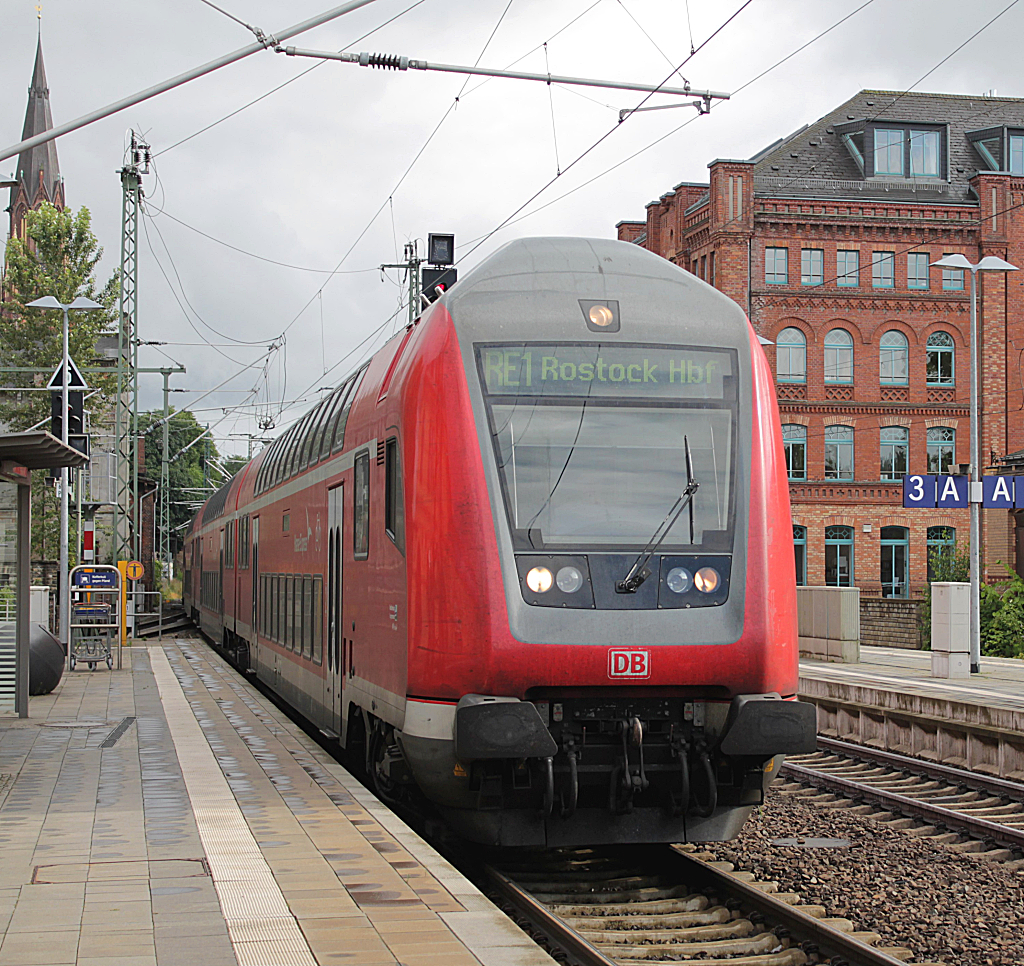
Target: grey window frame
[787,350]
[394,509]
[892,356]
[879,277]
[811,274]
[834,355]
[914,278]
[894,445]
[800,553]
[838,447]
[794,439]
[1012,141]
[952,278]
[773,277]
[845,278]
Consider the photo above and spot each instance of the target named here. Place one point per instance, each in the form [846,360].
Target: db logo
[631,663]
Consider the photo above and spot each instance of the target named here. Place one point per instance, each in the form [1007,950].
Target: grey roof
[43,157]
[814,161]
[38,450]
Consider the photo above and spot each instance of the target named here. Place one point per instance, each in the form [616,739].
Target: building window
[895,546]
[794,441]
[941,356]
[791,356]
[800,552]
[895,446]
[941,541]
[838,452]
[952,278]
[839,556]
[812,266]
[924,154]
[776,266]
[883,269]
[941,445]
[888,152]
[848,268]
[893,359]
[839,356]
[1016,154]
[917,270]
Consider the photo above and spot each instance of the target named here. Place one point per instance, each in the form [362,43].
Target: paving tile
[37,948]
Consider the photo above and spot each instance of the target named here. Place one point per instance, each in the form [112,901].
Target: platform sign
[95,578]
[919,491]
[951,491]
[997,492]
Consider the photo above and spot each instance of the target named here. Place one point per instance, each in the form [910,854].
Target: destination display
[993,492]
[540,369]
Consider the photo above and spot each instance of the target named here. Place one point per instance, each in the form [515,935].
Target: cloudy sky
[314,174]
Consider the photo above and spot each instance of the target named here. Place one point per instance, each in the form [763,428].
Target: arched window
[800,552]
[941,446]
[893,359]
[941,356]
[895,449]
[839,556]
[794,441]
[838,452]
[791,356]
[839,356]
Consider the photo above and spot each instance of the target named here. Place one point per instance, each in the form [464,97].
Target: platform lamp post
[990,263]
[49,302]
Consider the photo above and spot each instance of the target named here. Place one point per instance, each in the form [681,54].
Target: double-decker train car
[534,558]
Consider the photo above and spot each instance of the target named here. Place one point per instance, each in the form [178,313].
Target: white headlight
[569,580]
[679,580]
[539,580]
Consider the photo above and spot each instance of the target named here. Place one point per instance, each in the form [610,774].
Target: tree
[192,472]
[58,257]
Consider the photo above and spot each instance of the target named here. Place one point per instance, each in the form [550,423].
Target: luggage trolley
[95,615]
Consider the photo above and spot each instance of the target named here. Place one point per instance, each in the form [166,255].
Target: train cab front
[644,689]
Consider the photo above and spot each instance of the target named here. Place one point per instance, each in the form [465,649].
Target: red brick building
[825,238]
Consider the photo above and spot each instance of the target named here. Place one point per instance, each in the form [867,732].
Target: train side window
[296,444]
[394,509]
[339,433]
[229,544]
[289,612]
[243,542]
[361,500]
[331,420]
[318,606]
[307,616]
[279,615]
[261,617]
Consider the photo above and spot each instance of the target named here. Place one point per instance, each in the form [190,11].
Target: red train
[534,557]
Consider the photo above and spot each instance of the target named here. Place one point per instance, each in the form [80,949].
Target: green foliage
[192,474]
[58,258]
[948,563]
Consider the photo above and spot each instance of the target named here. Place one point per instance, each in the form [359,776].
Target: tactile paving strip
[261,927]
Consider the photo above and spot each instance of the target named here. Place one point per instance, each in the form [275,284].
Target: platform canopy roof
[39,450]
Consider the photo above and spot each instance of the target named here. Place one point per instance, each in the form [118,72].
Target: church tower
[37,174]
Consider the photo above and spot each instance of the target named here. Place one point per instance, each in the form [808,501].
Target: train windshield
[590,441]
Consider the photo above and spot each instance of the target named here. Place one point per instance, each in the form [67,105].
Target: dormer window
[888,152]
[1016,154]
[1000,148]
[924,154]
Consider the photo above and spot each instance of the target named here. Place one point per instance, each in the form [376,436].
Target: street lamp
[990,263]
[49,302]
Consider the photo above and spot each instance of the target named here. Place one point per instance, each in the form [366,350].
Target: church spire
[37,173]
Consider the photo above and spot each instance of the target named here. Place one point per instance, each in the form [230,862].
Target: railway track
[927,798]
[602,907]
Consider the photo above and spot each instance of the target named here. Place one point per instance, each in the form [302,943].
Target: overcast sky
[301,175]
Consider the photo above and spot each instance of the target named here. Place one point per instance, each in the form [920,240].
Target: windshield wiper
[639,572]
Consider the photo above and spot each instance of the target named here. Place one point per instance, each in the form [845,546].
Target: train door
[334,681]
[257,603]
[220,578]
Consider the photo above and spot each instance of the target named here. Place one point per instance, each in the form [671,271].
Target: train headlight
[601,315]
[679,580]
[706,580]
[539,580]
[568,580]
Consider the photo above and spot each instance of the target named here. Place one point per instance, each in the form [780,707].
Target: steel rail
[554,929]
[832,943]
[919,766]
[911,807]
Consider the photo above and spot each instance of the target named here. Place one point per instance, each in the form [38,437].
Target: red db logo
[630,663]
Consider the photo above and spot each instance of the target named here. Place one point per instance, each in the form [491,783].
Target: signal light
[440,249]
[434,278]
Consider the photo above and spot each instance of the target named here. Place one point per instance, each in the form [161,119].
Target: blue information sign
[96,578]
[951,491]
[919,491]
[997,492]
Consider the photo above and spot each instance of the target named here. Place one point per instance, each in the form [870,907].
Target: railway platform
[890,700]
[169,815]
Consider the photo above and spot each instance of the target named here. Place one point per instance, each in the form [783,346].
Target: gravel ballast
[946,906]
